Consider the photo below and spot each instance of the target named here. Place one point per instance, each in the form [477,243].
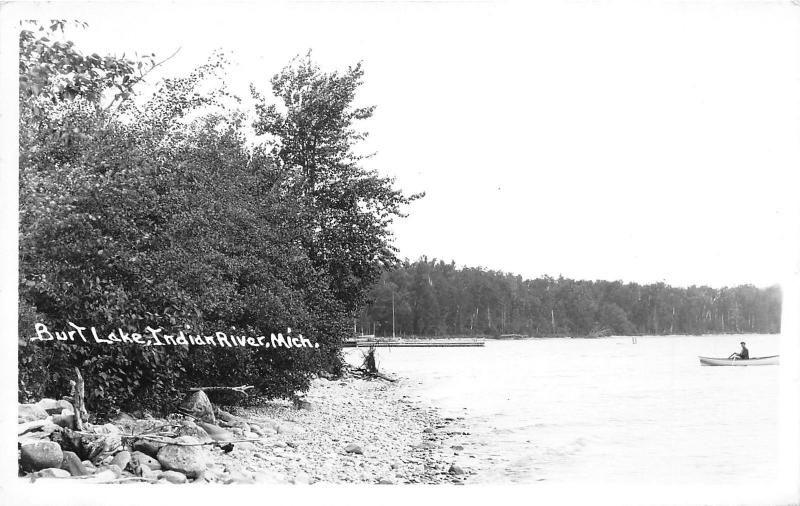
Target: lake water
[604,410]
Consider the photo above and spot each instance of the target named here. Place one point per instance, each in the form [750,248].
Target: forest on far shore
[435,298]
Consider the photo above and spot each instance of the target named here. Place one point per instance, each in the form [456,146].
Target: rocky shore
[349,430]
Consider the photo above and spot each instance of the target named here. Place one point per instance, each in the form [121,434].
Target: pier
[411,343]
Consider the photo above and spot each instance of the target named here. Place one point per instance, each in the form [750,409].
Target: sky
[646,142]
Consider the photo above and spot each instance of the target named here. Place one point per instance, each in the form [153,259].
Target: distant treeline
[437,298]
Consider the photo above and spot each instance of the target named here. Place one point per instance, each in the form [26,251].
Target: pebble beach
[352,431]
[345,430]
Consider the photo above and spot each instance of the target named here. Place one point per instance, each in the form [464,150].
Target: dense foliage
[162,213]
[437,298]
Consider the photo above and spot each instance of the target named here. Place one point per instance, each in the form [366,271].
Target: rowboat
[771,360]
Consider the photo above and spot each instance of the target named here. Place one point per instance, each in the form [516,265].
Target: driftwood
[365,373]
[242,389]
[166,441]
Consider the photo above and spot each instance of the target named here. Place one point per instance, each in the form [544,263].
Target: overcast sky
[596,140]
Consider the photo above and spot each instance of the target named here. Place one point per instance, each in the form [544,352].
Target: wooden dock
[411,343]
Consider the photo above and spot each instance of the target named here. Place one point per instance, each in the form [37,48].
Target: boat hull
[772,360]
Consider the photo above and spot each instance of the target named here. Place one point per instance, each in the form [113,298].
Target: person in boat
[742,355]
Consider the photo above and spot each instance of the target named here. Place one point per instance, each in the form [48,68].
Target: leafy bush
[161,214]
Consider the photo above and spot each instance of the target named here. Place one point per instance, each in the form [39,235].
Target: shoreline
[345,430]
[399,440]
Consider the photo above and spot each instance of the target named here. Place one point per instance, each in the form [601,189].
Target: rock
[226,417]
[138,459]
[291,444]
[104,476]
[457,448]
[122,459]
[354,448]
[89,466]
[41,455]
[454,469]
[425,445]
[189,428]
[386,481]
[111,467]
[245,446]
[30,413]
[189,460]
[198,405]
[301,403]
[427,430]
[144,469]
[52,472]
[108,428]
[251,435]
[236,476]
[66,421]
[174,477]
[215,432]
[56,407]
[148,447]
[73,465]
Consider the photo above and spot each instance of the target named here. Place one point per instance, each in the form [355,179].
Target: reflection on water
[608,410]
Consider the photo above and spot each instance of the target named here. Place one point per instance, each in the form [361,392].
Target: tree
[346,208]
[160,214]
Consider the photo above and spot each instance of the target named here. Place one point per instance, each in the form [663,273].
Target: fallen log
[241,389]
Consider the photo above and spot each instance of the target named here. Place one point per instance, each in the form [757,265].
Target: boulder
[353,448]
[173,477]
[30,413]
[52,472]
[226,417]
[125,421]
[198,405]
[189,428]
[189,460]
[41,455]
[66,421]
[111,467]
[138,459]
[454,469]
[73,465]
[103,476]
[147,447]
[108,428]
[215,432]
[146,472]
[122,459]
[55,407]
